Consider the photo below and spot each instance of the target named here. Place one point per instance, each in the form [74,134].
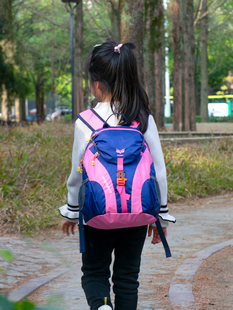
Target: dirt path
[200,224]
[213,282]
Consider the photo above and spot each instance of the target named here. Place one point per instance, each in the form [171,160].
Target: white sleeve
[153,141]
[70,211]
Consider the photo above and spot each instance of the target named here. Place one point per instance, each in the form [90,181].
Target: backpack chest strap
[121,184]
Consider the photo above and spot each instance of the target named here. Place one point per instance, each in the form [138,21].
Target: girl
[113,80]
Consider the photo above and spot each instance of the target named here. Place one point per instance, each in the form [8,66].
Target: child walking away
[117,186]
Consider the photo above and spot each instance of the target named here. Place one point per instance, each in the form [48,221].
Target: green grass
[199,170]
[34,165]
[35,162]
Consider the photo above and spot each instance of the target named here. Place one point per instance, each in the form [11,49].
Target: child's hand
[66,225]
[156,236]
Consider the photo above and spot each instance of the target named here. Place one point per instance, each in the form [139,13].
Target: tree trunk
[197,84]
[40,99]
[22,109]
[204,70]
[150,43]
[189,66]
[159,56]
[115,17]
[132,29]
[177,78]
[52,62]
[78,37]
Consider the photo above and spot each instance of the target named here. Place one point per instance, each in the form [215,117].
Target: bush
[222,119]
[66,118]
[198,119]
[169,120]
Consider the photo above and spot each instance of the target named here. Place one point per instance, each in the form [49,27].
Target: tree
[159,56]
[115,16]
[189,66]
[204,68]
[177,73]
[132,29]
[78,38]
[41,48]
[6,67]
[155,57]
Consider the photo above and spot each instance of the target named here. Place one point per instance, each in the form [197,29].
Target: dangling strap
[92,119]
[163,238]
[81,233]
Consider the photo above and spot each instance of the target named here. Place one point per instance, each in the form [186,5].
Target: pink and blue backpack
[119,187]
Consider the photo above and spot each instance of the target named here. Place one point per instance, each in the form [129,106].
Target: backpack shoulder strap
[91,119]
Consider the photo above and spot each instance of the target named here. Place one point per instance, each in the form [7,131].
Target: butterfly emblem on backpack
[120,151]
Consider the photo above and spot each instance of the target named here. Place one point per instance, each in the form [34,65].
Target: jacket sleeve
[70,211]
[153,141]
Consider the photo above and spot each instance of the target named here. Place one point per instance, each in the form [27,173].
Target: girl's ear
[97,85]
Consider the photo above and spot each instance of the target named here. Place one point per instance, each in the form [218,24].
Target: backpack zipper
[80,166]
[94,157]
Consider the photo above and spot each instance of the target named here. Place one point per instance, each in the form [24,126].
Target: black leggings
[127,244]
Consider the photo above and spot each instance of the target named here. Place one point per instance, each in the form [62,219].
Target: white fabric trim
[70,216]
[163,223]
[167,217]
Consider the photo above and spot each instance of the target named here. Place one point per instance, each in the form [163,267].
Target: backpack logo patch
[120,151]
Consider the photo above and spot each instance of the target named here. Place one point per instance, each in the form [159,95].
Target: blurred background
[184,51]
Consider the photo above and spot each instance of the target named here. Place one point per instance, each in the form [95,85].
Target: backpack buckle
[120,178]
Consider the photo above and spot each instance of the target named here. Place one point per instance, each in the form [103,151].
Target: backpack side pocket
[81,195]
[157,189]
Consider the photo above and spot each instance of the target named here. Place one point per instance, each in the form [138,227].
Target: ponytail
[115,67]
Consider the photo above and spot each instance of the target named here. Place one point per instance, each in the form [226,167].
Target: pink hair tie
[117,49]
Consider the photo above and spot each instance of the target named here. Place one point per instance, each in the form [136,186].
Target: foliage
[22,305]
[67,118]
[220,44]
[6,254]
[198,119]
[223,119]
[169,120]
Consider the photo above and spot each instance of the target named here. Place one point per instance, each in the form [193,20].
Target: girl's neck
[107,98]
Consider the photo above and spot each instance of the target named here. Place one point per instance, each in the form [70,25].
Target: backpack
[119,188]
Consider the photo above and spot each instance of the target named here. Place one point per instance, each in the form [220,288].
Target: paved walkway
[54,262]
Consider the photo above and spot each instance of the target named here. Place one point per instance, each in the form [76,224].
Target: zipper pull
[80,166]
[94,157]
[91,137]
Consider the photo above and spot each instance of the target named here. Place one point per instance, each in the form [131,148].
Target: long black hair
[117,74]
